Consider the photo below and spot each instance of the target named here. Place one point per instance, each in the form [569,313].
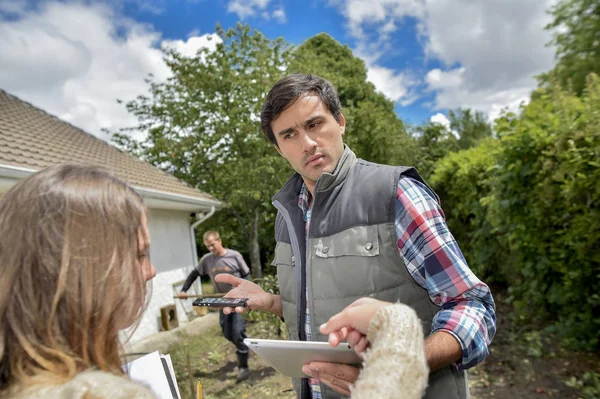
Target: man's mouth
[314,160]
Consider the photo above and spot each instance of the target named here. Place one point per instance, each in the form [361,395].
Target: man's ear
[278,150]
[342,124]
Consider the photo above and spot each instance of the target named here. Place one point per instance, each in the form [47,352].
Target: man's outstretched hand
[258,299]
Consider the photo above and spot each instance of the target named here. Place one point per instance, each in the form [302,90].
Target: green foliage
[471,126]
[547,203]
[534,346]
[216,357]
[374,130]
[271,324]
[434,142]
[463,180]
[203,127]
[588,384]
[525,209]
[576,27]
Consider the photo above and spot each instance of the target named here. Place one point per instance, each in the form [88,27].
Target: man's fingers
[338,376]
[227,310]
[228,279]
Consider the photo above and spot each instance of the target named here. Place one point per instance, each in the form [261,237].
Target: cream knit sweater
[395,365]
[90,384]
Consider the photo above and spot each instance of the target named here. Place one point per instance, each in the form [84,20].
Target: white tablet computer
[288,357]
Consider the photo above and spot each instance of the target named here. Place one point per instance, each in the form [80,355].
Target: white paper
[148,371]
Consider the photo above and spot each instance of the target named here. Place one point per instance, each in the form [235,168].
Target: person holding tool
[224,260]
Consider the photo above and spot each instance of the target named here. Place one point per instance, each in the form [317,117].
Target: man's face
[309,137]
[214,245]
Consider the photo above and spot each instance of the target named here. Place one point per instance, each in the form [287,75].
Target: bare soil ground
[522,364]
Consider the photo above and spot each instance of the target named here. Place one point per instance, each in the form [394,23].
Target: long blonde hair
[70,276]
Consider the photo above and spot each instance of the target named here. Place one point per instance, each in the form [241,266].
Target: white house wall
[171,246]
[171,255]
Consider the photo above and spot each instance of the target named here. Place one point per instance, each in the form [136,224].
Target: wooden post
[190,376]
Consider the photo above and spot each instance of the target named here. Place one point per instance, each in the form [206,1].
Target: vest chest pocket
[343,264]
[355,241]
[285,262]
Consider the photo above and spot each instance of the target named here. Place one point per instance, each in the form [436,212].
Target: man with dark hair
[347,228]
[224,260]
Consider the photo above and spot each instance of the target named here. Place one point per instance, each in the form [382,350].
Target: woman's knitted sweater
[395,365]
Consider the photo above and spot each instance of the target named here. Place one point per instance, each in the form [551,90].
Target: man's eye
[289,136]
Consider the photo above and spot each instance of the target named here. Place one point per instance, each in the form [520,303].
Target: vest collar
[327,181]
[289,192]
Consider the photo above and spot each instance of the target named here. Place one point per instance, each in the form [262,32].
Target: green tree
[464,181]
[374,130]
[547,205]
[434,141]
[576,27]
[203,126]
[470,126]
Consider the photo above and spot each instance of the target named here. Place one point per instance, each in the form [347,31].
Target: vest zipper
[298,270]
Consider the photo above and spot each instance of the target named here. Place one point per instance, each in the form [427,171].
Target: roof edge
[161,195]
[17,172]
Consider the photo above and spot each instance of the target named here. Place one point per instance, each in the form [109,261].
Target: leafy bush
[525,209]
[274,326]
[547,202]
[463,180]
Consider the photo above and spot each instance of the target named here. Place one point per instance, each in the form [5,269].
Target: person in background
[224,260]
[347,228]
[74,264]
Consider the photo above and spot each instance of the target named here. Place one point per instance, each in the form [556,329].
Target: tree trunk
[255,263]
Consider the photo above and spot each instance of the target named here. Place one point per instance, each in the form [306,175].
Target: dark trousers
[234,330]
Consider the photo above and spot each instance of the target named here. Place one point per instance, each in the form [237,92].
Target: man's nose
[308,142]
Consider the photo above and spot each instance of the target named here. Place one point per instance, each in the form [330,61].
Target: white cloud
[247,8]
[191,46]
[440,119]
[279,15]
[489,50]
[392,84]
[360,13]
[438,79]
[500,47]
[74,61]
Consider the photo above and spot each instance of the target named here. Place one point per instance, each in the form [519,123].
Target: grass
[213,362]
[207,287]
[521,364]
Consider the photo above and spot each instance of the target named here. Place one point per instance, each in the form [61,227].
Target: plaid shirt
[435,262]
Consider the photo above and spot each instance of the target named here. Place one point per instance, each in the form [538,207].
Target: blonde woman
[73,269]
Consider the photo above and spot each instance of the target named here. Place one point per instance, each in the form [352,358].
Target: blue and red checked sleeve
[435,262]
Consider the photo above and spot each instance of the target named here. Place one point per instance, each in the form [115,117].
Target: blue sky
[73,58]
[177,19]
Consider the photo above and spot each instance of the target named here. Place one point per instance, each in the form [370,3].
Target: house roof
[31,139]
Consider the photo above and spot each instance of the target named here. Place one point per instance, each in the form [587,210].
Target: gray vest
[351,253]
